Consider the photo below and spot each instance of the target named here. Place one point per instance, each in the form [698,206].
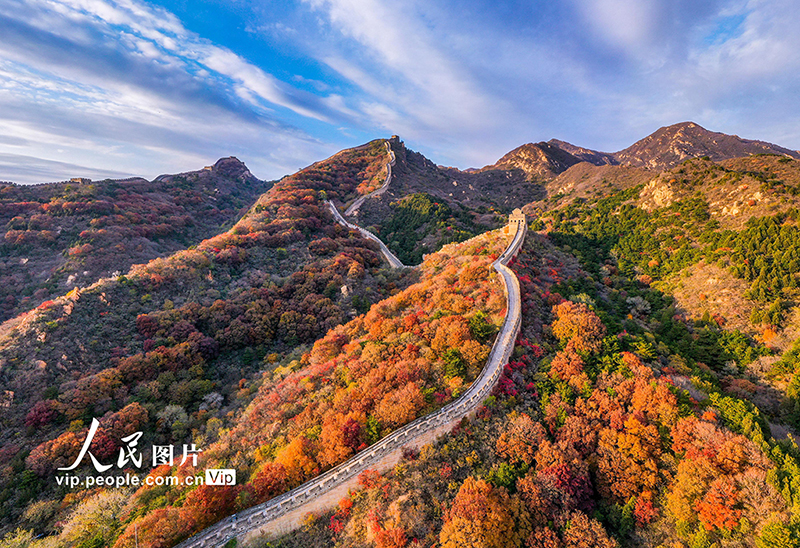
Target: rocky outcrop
[537,160]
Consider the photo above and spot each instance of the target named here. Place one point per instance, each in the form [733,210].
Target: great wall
[286,512]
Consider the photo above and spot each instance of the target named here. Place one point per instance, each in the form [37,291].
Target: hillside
[427,206]
[653,396]
[605,430]
[175,346]
[65,235]
[410,354]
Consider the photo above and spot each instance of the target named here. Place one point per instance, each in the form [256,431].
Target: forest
[408,355]
[283,346]
[601,432]
[420,216]
[64,235]
[176,347]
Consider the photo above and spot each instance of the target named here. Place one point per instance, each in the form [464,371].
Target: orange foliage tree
[162,528]
[627,460]
[578,327]
[483,516]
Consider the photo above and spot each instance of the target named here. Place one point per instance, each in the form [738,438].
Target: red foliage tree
[208,503]
[269,481]
[41,414]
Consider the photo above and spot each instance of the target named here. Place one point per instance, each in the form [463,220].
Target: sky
[115,88]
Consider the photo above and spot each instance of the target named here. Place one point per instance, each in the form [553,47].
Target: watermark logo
[130,456]
[162,454]
[221,477]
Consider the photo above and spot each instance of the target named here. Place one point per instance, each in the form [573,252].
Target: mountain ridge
[239,342]
[61,235]
[663,149]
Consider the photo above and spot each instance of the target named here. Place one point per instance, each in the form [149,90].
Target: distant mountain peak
[230,169]
[671,145]
[233,168]
[584,154]
[537,160]
[663,149]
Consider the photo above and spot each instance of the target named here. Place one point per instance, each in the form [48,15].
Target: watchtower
[516,220]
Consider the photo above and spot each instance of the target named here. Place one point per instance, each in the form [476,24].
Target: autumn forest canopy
[652,398]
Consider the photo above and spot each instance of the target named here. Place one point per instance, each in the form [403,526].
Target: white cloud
[122,85]
[413,79]
[627,24]
[463,82]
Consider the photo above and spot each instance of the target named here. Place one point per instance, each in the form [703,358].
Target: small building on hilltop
[516,220]
[80,180]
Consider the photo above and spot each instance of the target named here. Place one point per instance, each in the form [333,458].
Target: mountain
[647,401]
[65,235]
[426,206]
[584,154]
[673,144]
[170,344]
[537,161]
[663,149]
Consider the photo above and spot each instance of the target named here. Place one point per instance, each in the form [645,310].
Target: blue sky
[127,87]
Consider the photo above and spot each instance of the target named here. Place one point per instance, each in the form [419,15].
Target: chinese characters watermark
[129,453]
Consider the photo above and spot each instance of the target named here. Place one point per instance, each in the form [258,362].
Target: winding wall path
[285,512]
[388,255]
[384,187]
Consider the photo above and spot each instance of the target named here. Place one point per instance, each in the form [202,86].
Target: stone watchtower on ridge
[516,220]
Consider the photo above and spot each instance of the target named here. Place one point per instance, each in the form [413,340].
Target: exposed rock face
[657,193]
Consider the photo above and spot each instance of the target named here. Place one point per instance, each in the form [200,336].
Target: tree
[481,328]
[41,414]
[578,327]
[566,365]
[269,481]
[519,442]
[777,534]
[583,532]
[209,503]
[483,516]
[162,528]
[400,406]
[454,364]
[717,509]
[627,461]
[391,538]
[20,538]
[543,537]
[94,522]
[298,460]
